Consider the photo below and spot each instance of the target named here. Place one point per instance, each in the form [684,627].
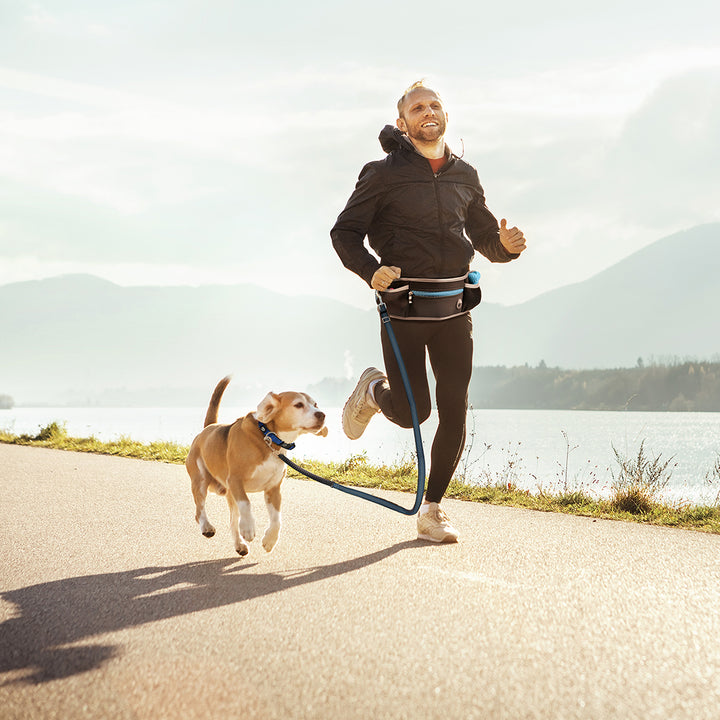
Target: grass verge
[402,476]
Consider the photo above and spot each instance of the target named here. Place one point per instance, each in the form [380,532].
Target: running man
[423,212]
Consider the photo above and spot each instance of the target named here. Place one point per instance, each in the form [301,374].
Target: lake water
[526,447]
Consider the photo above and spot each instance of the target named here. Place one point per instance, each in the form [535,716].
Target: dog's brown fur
[234,460]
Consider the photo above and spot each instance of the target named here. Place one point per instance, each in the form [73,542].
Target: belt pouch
[430,298]
[397,301]
[435,300]
[472,295]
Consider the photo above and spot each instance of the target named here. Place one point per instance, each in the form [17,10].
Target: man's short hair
[415,86]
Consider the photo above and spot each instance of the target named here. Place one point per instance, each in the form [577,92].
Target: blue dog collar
[273,438]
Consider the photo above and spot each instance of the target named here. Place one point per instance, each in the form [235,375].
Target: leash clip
[272,440]
[382,308]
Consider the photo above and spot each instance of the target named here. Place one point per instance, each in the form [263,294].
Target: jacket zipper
[437,199]
[437,202]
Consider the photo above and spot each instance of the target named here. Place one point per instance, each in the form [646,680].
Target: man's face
[422,116]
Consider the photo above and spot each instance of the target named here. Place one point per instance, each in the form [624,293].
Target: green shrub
[633,500]
[639,481]
[54,431]
[575,498]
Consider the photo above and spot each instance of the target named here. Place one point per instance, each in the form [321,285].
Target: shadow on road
[52,616]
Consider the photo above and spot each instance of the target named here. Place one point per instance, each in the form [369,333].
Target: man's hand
[383,276]
[512,239]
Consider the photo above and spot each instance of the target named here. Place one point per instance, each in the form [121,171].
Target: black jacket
[428,224]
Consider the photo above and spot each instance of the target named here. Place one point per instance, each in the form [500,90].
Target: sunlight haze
[187,143]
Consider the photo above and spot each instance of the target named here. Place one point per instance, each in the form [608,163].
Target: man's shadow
[56,614]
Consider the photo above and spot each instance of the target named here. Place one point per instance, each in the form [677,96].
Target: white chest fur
[267,474]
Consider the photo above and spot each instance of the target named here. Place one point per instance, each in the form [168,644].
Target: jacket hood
[392,138]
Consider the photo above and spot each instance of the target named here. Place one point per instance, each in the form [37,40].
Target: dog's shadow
[40,643]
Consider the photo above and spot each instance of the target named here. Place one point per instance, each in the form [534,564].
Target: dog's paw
[206,527]
[242,548]
[247,528]
[270,538]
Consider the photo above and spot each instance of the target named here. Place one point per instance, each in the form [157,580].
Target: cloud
[666,162]
[590,188]
[167,139]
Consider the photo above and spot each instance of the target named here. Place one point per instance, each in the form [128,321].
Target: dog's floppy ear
[268,406]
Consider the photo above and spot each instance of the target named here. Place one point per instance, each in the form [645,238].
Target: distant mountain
[660,302]
[79,339]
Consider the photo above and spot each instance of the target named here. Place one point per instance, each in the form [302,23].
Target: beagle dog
[242,457]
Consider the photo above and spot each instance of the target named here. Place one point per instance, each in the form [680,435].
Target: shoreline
[634,495]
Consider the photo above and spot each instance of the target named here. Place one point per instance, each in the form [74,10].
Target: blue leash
[382,309]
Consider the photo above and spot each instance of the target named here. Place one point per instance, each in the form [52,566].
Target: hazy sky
[181,142]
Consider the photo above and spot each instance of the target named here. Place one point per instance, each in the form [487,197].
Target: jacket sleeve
[351,227]
[483,230]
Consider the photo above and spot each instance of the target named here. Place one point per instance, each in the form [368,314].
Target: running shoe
[360,407]
[434,525]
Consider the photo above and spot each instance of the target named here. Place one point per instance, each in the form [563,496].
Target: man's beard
[428,134]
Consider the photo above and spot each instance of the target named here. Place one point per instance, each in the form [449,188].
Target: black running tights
[449,345]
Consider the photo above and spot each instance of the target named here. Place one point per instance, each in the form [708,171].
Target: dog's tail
[212,412]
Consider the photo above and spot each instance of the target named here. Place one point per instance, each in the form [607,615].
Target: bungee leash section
[385,318]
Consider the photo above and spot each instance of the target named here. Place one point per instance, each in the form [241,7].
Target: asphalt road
[114,606]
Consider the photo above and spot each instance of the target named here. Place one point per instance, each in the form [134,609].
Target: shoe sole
[447,540]
[356,394]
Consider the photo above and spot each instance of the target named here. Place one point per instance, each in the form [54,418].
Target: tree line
[691,386]
[687,386]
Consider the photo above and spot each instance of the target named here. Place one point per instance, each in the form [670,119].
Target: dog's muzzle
[321,430]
